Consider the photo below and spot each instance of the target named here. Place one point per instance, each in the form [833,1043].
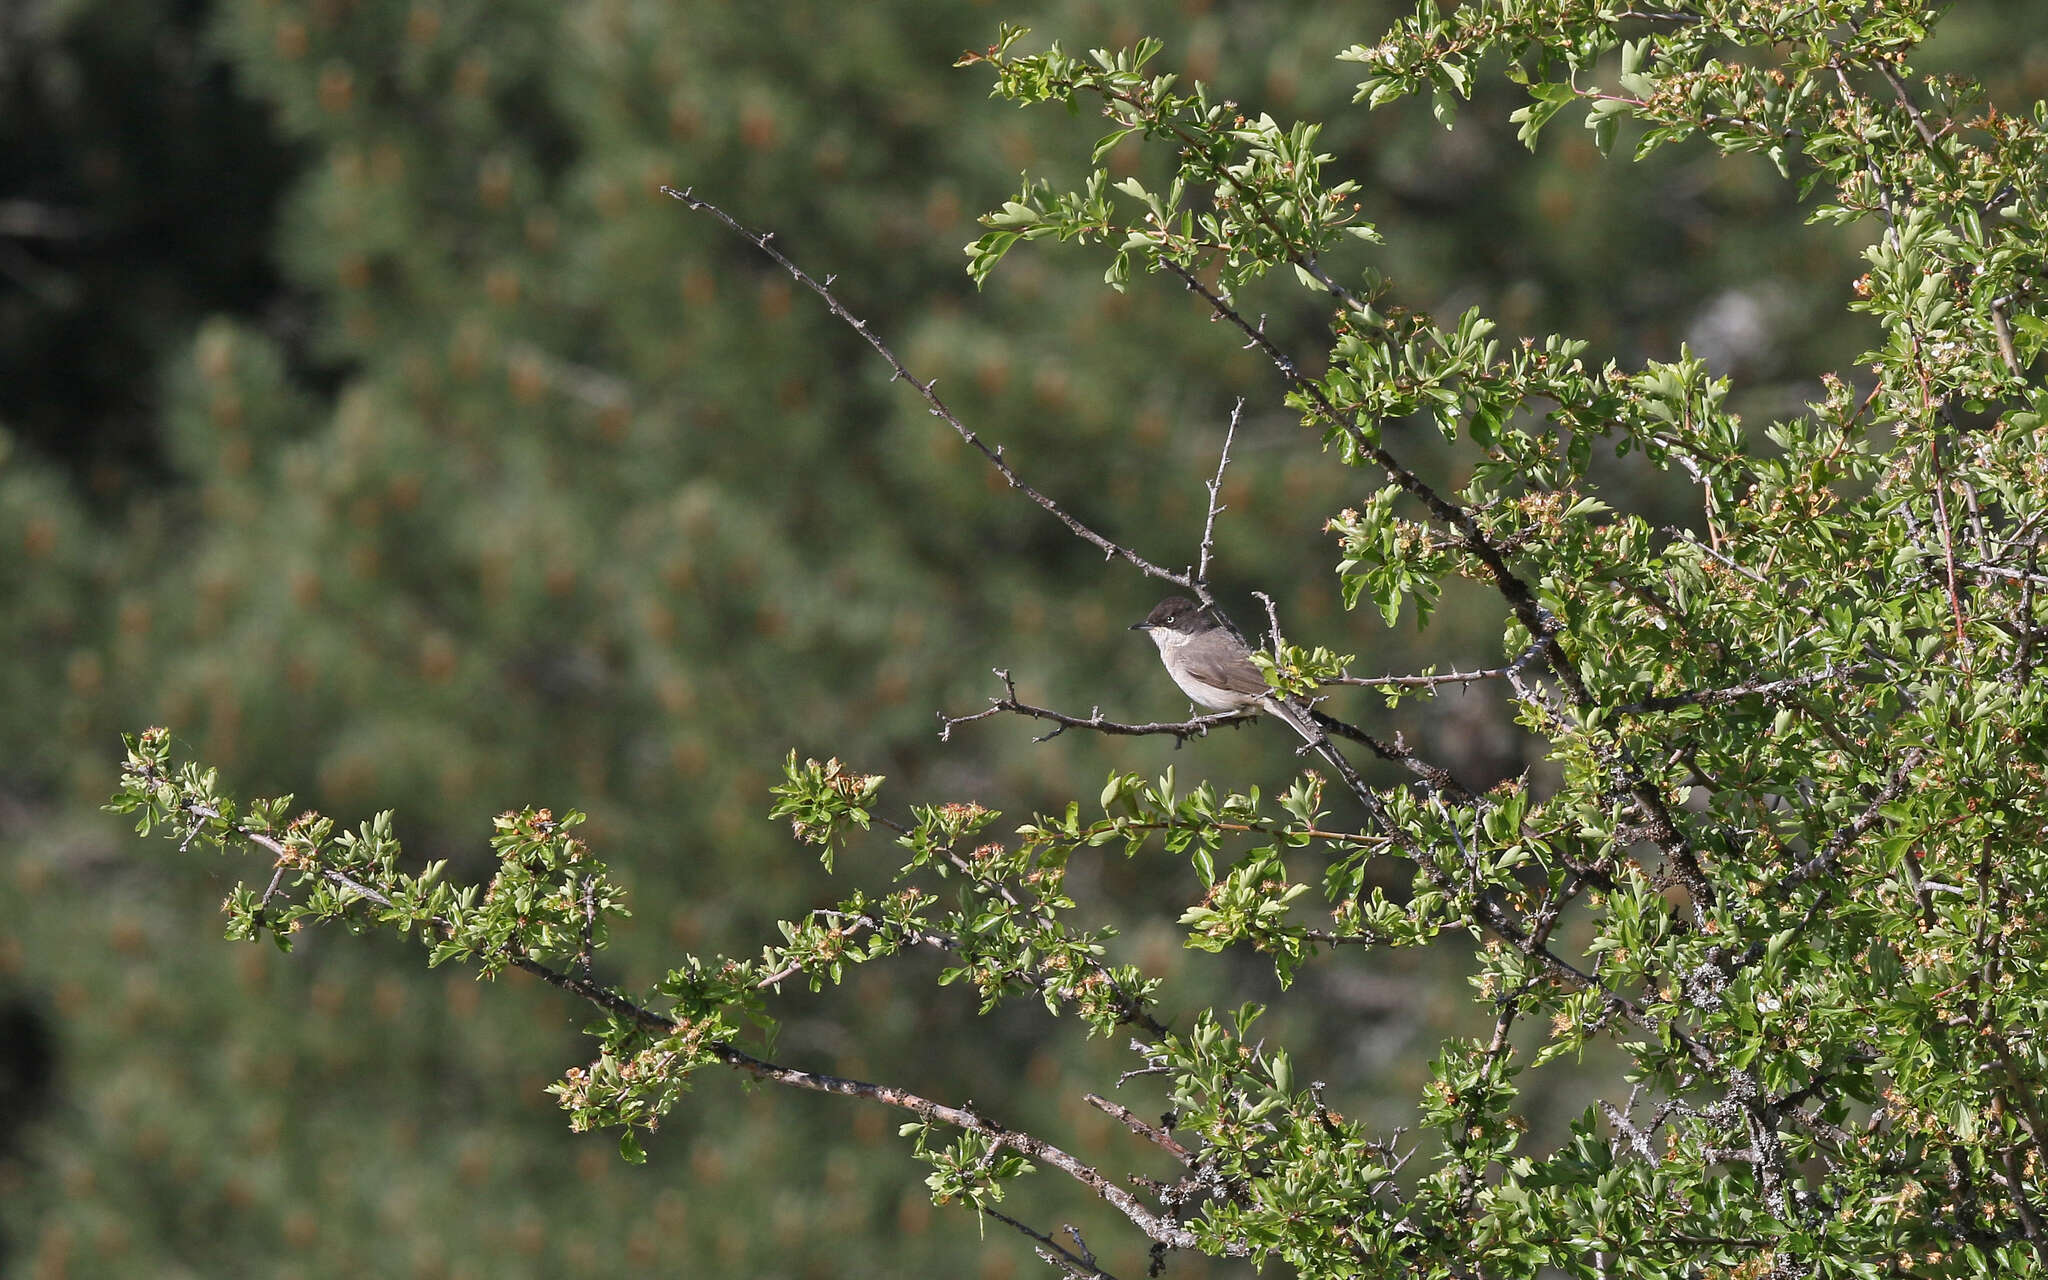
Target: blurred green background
[368,418]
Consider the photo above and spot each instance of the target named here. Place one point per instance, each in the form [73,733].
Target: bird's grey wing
[1232,672]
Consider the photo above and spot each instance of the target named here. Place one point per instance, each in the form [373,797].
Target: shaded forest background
[368,418]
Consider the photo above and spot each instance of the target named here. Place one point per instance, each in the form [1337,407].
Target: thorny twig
[1215,487]
[994,453]
[1182,730]
[1080,1266]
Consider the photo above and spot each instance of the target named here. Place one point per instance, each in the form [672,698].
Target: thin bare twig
[1735,693]
[1438,778]
[994,453]
[1081,1266]
[1431,681]
[1927,134]
[1279,646]
[1009,703]
[1159,1228]
[1130,1120]
[2029,576]
[1851,831]
[1215,487]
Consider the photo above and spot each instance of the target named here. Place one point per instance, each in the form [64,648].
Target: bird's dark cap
[1169,612]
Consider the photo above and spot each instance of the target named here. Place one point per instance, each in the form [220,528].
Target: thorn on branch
[1181,730]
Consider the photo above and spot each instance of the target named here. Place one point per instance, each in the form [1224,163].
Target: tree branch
[764,242]
[1423,681]
[1156,1227]
[1182,730]
[1215,487]
[1735,693]
[1081,1266]
[1852,830]
[1130,1120]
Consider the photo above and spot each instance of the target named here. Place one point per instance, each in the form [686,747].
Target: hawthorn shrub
[1782,858]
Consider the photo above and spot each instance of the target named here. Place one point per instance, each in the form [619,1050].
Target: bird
[1213,667]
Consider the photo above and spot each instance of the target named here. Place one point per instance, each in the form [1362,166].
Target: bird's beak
[1139,626]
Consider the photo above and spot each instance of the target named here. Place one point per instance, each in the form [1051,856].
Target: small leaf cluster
[549,899]
[1247,194]
[824,803]
[968,1167]
[1300,672]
